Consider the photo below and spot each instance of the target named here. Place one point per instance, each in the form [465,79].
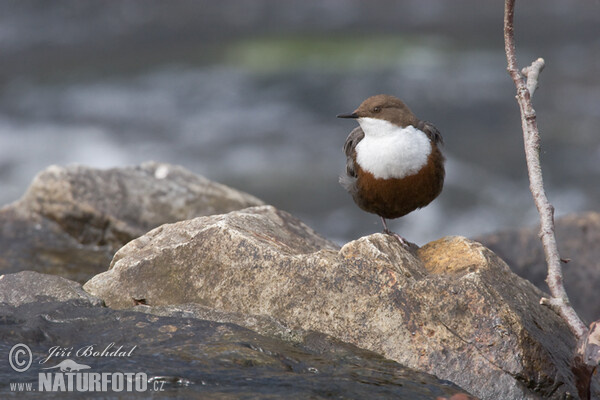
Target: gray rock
[32,287]
[578,236]
[261,324]
[72,219]
[191,357]
[453,308]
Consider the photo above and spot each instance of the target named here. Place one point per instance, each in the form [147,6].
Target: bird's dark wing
[431,131]
[350,150]
[348,181]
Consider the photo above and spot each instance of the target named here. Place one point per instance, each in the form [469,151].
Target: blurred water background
[246,93]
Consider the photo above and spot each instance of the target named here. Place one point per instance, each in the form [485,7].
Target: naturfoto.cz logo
[71,376]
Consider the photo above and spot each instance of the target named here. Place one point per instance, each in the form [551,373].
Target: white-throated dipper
[393,161]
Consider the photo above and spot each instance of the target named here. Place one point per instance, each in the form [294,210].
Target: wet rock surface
[72,219]
[452,308]
[187,356]
[578,236]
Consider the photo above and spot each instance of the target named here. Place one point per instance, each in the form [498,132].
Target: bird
[394,164]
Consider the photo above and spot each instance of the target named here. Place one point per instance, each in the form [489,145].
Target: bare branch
[559,301]
[587,355]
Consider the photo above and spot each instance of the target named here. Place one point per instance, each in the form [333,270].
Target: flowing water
[246,93]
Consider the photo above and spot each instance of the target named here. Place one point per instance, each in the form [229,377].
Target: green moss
[326,53]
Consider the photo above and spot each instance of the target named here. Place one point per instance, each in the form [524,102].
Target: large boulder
[452,308]
[72,219]
[187,355]
[578,236]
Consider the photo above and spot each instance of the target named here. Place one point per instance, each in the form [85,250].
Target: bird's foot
[402,241]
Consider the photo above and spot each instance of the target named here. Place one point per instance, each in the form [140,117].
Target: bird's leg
[402,241]
[385,228]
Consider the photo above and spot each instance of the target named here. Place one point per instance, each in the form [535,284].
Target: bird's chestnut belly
[396,197]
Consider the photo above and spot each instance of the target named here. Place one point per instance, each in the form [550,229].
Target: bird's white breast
[389,151]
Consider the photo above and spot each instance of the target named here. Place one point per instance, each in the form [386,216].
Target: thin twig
[559,301]
[587,355]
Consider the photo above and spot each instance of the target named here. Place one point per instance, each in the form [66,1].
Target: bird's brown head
[386,107]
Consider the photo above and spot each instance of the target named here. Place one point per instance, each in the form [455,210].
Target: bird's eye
[377,109]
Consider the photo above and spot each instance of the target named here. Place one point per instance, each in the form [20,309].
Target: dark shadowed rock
[453,309]
[262,324]
[191,357]
[578,236]
[72,219]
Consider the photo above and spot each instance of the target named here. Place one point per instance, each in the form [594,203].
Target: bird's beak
[352,115]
